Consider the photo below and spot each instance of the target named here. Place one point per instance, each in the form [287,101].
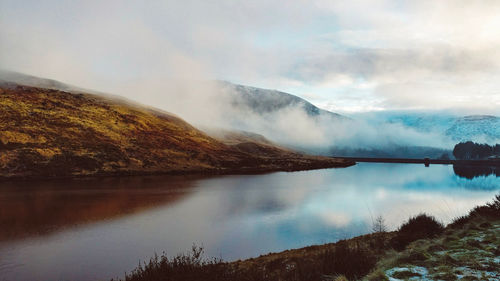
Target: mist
[349,58]
[213,105]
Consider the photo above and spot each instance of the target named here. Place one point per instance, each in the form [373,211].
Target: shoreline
[425,161]
[466,249]
[317,165]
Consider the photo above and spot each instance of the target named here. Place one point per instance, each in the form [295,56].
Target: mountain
[423,122]
[56,133]
[475,127]
[478,128]
[265,101]
[397,151]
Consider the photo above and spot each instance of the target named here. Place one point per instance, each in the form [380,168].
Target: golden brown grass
[51,133]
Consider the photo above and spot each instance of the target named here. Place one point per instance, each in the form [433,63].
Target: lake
[96,229]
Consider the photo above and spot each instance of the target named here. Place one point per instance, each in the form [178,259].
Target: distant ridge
[262,101]
[12,78]
[478,127]
[471,127]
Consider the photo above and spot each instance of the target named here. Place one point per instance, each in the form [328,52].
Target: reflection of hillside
[38,208]
[471,172]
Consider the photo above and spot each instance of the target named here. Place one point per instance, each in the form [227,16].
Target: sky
[345,56]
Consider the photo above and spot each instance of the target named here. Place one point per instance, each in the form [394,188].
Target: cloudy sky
[347,56]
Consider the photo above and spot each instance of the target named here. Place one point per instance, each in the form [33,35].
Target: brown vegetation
[51,133]
[418,227]
[351,258]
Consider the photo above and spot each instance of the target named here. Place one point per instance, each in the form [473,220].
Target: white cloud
[412,54]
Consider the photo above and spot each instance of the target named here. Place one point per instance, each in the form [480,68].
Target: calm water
[100,228]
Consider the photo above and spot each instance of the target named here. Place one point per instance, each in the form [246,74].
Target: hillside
[263,101]
[53,133]
[247,142]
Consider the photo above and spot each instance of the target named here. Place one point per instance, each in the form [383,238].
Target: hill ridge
[53,133]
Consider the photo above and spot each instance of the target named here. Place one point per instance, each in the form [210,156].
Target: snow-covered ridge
[477,128]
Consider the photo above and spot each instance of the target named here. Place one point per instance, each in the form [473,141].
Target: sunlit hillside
[47,132]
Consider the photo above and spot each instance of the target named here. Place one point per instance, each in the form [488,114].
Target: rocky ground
[471,252]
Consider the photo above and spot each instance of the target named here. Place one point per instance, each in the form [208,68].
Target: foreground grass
[470,254]
[421,249]
[468,249]
[350,258]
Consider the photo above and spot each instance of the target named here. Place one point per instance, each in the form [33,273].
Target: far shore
[426,161]
[314,163]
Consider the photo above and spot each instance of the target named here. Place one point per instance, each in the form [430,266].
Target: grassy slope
[468,249]
[51,133]
[468,253]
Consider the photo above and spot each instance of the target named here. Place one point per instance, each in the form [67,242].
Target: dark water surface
[96,229]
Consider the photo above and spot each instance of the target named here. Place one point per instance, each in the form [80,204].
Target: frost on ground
[408,273]
[471,252]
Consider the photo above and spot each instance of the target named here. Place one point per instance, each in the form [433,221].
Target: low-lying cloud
[443,52]
[346,56]
[216,105]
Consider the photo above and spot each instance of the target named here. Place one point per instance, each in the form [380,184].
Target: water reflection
[471,172]
[232,216]
[39,208]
